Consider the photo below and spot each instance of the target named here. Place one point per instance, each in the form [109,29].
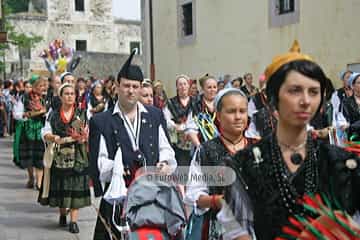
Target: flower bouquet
[78,130]
[35,107]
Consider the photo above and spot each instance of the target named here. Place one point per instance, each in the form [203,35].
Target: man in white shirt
[122,140]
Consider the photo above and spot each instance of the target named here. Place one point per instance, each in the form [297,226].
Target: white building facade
[195,37]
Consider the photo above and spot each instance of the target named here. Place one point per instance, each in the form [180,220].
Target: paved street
[21,217]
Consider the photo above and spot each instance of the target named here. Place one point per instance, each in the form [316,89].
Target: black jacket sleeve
[94,141]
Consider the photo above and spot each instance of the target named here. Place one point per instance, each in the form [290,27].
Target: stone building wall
[96,25]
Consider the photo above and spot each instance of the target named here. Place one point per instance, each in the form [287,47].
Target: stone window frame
[289,4]
[280,20]
[80,15]
[84,8]
[182,39]
[86,42]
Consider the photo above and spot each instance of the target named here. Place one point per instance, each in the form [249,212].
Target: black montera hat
[129,71]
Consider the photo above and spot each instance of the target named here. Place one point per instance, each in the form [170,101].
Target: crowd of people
[284,141]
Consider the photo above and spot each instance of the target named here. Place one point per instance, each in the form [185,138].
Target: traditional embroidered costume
[249,91]
[176,113]
[211,153]
[202,121]
[351,111]
[32,150]
[274,190]
[118,147]
[69,180]
[18,144]
[97,104]
[52,102]
[271,180]
[262,116]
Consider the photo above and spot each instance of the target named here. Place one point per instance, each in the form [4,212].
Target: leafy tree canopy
[16,6]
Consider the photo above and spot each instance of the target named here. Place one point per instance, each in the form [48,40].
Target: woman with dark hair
[18,89]
[248,88]
[193,91]
[351,107]
[98,102]
[262,115]
[68,187]
[3,117]
[81,93]
[220,85]
[201,124]
[18,112]
[160,97]
[231,109]
[341,94]
[52,99]
[322,122]
[237,82]
[109,91]
[8,88]
[277,172]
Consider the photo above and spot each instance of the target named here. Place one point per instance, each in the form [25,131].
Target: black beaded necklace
[288,192]
[295,156]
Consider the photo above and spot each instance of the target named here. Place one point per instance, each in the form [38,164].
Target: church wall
[104,34]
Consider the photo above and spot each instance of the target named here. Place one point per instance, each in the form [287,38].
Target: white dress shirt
[105,165]
[232,228]
[168,117]
[338,119]
[190,125]
[251,131]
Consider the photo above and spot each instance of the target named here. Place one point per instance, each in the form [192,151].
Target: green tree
[23,42]
[16,6]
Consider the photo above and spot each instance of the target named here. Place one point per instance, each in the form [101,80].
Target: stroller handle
[121,229]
